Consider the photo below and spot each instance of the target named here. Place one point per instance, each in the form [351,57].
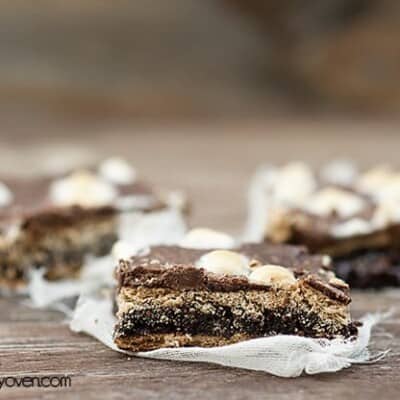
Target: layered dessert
[54,222]
[353,217]
[171,296]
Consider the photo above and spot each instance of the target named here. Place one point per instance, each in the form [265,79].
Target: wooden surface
[214,164]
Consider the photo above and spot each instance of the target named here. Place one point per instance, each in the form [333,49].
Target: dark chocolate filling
[222,322]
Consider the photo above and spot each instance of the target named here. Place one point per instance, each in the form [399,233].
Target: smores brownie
[54,222]
[171,296]
[353,217]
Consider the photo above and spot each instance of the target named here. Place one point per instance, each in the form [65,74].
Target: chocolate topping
[174,268]
[331,291]
[32,205]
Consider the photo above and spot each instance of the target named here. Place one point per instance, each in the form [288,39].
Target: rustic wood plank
[214,163]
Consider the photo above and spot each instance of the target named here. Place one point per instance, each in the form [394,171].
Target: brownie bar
[370,269]
[352,217]
[173,296]
[56,221]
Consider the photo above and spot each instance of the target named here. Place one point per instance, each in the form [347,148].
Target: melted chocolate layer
[174,268]
[32,205]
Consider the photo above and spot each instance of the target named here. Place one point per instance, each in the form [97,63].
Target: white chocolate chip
[273,275]
[224,262]
[375,179]
[352,227]
[295,183]
[82,188]
[204,238]
[6,196]
[339,172]
[326,260]
[330,200]
[326,273]
[386,213]
[122,250]
[390,191]
[118,171]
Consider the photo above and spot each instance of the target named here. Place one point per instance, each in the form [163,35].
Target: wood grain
[214,164]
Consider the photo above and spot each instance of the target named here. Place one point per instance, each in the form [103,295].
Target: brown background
[142,59]
[179,59]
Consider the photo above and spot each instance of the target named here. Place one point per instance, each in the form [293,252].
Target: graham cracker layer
[163,340]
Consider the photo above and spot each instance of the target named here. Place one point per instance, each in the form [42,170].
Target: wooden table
[213,163]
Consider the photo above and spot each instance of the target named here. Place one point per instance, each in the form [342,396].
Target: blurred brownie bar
[355,218]
[54,222]
[172,296]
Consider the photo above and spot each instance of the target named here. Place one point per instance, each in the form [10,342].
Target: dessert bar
[353,217]
[54,222]
[171,296]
